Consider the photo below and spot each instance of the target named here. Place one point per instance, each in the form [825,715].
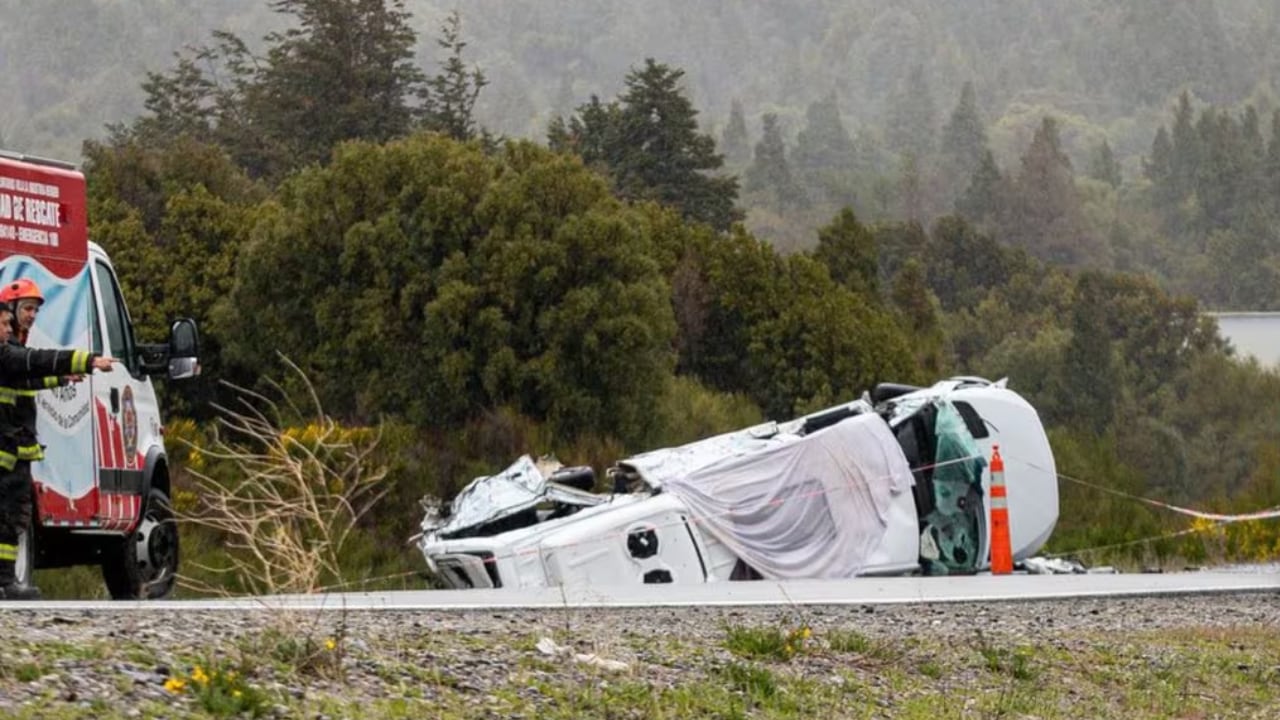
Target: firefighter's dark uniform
[22,370]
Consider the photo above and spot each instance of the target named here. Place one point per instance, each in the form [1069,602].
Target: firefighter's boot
[9,587]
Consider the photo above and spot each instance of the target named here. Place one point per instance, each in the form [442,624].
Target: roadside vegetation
[330,665]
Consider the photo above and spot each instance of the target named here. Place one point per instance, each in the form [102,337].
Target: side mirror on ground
[184,349]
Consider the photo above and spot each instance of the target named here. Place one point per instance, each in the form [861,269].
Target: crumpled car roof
[522,485]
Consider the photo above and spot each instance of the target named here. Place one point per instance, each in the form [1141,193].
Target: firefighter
[24,299]
[22,371]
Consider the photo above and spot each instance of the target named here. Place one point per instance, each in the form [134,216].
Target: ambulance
[102,490]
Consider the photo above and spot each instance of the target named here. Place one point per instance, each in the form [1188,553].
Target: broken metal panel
[465,571]
[492,497]
[517,558]
[509,500]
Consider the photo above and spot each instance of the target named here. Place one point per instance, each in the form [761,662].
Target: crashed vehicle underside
[893,483]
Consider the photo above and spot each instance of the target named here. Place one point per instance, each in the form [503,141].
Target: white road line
[860,591]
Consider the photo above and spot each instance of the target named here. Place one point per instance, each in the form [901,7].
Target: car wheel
[144,565]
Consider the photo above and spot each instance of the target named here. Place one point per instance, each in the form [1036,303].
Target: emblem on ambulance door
[129,425]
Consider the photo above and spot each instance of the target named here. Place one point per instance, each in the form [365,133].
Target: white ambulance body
[102,491]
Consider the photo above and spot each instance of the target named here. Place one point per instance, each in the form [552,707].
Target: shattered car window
[950,536]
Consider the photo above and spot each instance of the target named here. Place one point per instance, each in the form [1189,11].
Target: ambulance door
[119,475]
[65,480]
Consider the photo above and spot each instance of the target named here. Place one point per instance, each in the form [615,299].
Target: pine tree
[1103,165]
[910,189]
[964,142]
[848,249]
[734,140]
[648,142]
[824,145]
[984,201]
[1185,155]
[1090,368]
[1158,168]
[592,134]
[909,128]
[345,71]
[450,104]
[1220,176]
[912,298]
[825,158]
[964,264]
[770,174]
[1047,217]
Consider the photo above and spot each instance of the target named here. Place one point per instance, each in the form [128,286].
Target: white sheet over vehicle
[815,507]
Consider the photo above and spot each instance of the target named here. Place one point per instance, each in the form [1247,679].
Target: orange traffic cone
[1001,546]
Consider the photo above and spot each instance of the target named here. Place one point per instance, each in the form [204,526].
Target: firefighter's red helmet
[20,289]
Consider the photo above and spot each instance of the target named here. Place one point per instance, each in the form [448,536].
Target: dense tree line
[1118,60]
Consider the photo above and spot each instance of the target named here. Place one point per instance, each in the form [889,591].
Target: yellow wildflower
[236,693]
[198,675]
[806,633]
[329,644]
[175,685]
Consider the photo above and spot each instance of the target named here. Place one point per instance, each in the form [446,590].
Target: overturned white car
[892,483]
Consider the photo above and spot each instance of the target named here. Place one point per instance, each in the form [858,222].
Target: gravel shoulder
[1194,656]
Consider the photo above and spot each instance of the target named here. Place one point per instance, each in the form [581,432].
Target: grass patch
[298,653]
[1014,662]
[851,641]
[753,681]
[769,642]
[930,669]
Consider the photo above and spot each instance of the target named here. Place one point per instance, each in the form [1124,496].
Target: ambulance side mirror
[184,349]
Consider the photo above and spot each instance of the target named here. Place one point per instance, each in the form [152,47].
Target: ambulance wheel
[25,567]
[144,565]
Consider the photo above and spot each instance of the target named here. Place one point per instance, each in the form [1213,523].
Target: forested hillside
[591,230]
[1113,67]
[887,109]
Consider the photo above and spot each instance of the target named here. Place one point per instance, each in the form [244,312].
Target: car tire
[144,565]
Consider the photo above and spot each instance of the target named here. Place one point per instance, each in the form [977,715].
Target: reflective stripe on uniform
[7,460]
[79,362]
[30,452]
[8,552]
[8,395]
[52,382]
[25,393]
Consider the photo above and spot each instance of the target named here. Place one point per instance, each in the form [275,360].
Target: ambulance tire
[25,568]
[144,566]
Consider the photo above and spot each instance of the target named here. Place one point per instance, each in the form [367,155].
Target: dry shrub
[284,499]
